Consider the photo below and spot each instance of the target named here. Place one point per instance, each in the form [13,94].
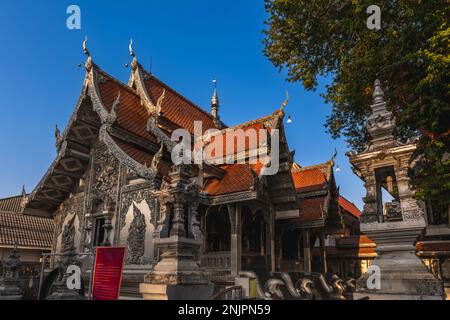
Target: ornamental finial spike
[378,94]
[130,48]
[58,138]
[215,97]
[85,49]
[88,63]
[285,102]
[333,158]
[215,107]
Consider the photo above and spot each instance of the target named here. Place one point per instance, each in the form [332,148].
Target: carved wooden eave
[57,183]
[71,161]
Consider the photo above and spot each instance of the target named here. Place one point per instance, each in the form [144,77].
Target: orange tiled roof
[349,207]
[25,230]
[176,108]
[141,156]
[131,115]
[134,152]
[311,178]
[237,178]
[311,209]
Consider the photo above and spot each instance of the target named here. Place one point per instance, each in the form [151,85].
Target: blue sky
[188,42]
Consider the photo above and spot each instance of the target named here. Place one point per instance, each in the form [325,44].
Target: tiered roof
[135,121]
[119,115]
[176,108]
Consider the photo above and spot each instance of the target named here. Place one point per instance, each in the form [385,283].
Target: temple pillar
[306,250]
[272,240]
[323,254]
[236,240]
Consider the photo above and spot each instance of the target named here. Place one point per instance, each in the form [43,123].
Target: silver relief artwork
[136,237]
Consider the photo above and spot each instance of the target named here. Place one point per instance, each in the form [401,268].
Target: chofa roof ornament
[134,63]
[130,48]
[285,102]
[88,63]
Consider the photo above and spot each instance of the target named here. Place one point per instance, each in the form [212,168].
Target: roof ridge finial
[378,94]
[215,97]
[24,192]
[285,102]
[215,106]
[333,158]
[134,63]
[130,48]
[85,49]
[88,63]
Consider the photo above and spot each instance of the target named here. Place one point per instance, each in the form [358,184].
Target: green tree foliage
[410,55]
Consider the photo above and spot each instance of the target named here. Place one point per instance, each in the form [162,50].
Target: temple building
[114,182]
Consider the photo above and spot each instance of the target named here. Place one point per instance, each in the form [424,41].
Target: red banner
[108,269]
